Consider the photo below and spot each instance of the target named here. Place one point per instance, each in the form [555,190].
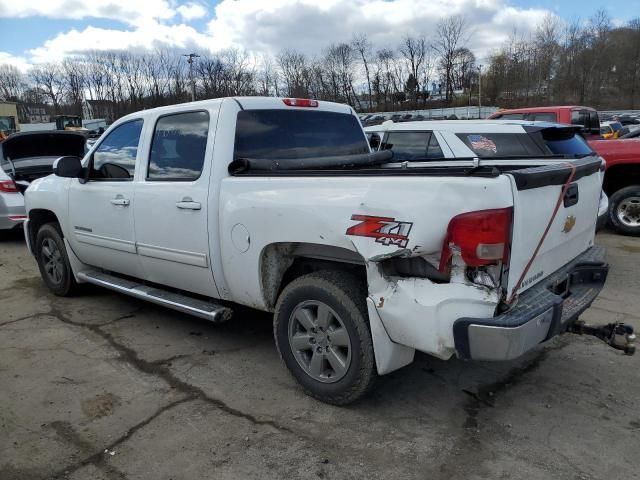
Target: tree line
[586,63]
[589,62]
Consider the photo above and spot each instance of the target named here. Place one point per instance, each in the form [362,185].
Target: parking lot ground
[102,386]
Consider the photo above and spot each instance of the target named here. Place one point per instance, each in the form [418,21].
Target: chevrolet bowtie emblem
[569,224]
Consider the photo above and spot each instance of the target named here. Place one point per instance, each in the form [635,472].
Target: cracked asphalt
[102,386]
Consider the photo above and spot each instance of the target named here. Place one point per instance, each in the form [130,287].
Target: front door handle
[120,200]
[187,203]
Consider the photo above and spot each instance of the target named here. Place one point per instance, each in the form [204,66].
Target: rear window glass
[412,146]
[487,145]
[296,134]
[567,144]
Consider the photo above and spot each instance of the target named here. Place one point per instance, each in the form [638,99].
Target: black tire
[346,297]
[62,283]
[615,201]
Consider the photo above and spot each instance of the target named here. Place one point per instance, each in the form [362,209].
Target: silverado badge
[569,223]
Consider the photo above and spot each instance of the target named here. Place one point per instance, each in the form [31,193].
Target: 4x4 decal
[386,230]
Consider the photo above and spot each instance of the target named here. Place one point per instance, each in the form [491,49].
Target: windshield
[297,134]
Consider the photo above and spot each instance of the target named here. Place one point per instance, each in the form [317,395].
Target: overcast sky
[33,31]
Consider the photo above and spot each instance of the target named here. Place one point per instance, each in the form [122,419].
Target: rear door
[536,192]
[172,200]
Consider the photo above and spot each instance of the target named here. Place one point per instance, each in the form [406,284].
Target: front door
[101,209]
[172,199]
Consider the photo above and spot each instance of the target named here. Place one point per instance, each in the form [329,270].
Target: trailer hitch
[618,335]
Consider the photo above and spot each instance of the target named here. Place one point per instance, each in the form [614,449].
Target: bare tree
[414,51]
[12,83]
[449,38]
[48,77]
[293,66]
[362,46]
[73,73]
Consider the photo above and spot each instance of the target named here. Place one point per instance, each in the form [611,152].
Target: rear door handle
[120,200]
[187,203]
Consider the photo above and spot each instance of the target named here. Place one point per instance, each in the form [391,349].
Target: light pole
[479,91]
[190,57]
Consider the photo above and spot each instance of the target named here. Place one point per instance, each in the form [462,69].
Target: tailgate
[536,191]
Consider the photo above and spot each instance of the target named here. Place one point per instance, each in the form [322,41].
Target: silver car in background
[25,157]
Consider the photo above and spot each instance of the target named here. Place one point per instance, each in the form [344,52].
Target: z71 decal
[386,230]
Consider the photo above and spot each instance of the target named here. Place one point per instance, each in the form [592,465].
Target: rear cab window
[282,134]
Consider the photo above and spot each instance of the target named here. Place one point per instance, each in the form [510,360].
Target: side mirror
[68,167]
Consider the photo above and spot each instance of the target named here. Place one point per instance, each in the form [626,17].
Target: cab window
[178,147]
[542,117]
[115,157]
[487,145]
[509,116]
[412,146]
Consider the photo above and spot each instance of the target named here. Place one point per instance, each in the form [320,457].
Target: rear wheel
[624,210]
[323,336]
[53,261]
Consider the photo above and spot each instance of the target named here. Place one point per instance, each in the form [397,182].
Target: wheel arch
[283,262]
[37,218]
[620,176]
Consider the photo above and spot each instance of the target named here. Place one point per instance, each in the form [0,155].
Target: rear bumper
[543,311]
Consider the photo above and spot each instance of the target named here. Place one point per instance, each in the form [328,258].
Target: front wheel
[624,210]
[322,334]
[53,261]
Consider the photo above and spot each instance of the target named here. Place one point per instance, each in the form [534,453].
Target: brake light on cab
[482,237]
[300,102]
[8,186]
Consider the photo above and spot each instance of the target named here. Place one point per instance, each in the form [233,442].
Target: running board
[176,301]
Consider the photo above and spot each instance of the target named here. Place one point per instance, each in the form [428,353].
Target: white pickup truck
[279,205]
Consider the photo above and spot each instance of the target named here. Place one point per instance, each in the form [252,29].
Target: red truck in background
[622,176]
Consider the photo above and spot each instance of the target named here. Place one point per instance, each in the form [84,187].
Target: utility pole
[479,91]
[190,57]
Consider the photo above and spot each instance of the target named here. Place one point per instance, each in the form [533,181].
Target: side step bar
[176,301]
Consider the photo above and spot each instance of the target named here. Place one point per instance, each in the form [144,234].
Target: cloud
[263,27]
[127,11]
[147,36]
[20,63]
[191,11]
[308,25]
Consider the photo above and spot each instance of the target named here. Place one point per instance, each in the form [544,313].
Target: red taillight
[482,237]
[7,186]
[300,102]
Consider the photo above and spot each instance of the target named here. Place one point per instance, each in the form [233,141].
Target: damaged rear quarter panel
[319,210]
